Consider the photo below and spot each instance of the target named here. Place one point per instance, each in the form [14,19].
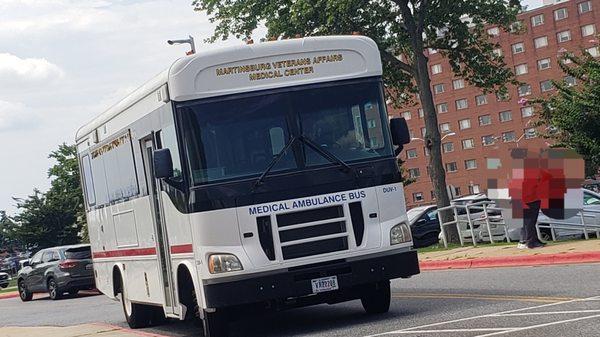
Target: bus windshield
[238,136]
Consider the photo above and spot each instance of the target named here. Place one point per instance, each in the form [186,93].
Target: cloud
[14,116]
[18,70]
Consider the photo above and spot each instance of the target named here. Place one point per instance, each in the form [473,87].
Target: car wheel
[139,315]
[53,290]
[3,286]
[545,234]
[24,294]
[376,299]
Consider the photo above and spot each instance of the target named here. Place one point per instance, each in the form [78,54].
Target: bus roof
[252,67]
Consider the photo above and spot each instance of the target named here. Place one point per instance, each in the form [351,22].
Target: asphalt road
[529,301]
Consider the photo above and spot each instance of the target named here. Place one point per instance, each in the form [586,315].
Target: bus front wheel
[376,298]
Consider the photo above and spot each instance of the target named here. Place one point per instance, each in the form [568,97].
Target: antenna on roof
[189,40]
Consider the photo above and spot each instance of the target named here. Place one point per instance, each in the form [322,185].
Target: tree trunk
[433,141]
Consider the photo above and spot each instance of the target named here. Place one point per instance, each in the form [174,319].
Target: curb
[513,261]
[9,295]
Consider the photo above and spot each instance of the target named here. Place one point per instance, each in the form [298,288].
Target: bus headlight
[400,234]
[223,263]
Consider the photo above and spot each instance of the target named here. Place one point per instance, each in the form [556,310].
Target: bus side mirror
[163,164]
[400,133]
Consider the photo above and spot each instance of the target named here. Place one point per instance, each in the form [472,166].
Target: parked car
[591,201]
[57,270]
[424,225]
[4,280]
[477,217]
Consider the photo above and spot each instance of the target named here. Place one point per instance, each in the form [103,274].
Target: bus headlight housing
[400,234]
[223,263]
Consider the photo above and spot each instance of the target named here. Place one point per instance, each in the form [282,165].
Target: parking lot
[527,301]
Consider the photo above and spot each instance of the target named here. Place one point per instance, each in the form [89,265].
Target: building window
[468,143]
[423,131]
[442,108]
[543,64]
[438,88]
[414,173]
[458,84]
[524,90]
[508,136]
[485,120]
[521,69]
[371,123]
[445,127]
[537,20]
[570,80]
[436,69]
[420,112]
[527,111]
[470,164]
[588,30]
[493,32]
[448,147]
[546,85]
[451,167]
[464,124]
[418,196]
[411,153]
[516,26]
[518,48]
[505,116]
[529,133]
[457,191]
[461,104]
[561,14]
[563,36]
[594,51]
[474,189]
[406,115]
[498,52]
[487,140]
[540,42]
[585,7]
[481,99]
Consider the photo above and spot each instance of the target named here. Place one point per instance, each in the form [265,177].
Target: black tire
[24,294]
[53,290]
[4,286]
[215,324]
[140,315]
[545,234]
[376,299]
[73,292]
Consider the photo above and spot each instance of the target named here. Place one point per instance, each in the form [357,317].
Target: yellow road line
[484,297]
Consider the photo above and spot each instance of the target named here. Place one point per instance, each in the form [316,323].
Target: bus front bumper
[294,283]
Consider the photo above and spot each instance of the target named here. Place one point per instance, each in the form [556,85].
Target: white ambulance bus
[256,176]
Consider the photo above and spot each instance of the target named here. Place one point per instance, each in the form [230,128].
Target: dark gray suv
[57,270]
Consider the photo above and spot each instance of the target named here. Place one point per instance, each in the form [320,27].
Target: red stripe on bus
[180,249]
[125,252]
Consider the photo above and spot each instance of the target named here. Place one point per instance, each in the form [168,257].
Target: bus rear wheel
[376,298]
[139,315]
[215,324]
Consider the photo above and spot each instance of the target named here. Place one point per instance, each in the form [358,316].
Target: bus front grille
[312,232]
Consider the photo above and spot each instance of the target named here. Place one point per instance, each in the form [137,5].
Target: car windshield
[78,253]
[413,213]
[235,137]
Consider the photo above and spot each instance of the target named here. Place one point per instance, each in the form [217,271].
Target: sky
[62,62]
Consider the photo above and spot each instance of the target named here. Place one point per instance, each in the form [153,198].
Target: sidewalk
[97,330]
[483,256]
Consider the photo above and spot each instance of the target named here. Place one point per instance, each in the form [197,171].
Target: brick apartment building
[475,126]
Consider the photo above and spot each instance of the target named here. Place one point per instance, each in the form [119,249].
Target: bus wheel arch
[117,280]
[188,292]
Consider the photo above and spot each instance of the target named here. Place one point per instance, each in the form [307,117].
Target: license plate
[89,266]
[324,284]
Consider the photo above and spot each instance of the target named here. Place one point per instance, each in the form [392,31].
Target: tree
[404,31]
[57,216]
[572,113]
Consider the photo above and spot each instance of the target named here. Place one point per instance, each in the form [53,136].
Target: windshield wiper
[327,155]
[273,162]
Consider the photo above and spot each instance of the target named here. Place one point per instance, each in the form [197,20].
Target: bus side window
[88,181]
[168,140]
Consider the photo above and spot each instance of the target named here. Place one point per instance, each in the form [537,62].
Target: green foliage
[53,218]
[464,41]
[572,113]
